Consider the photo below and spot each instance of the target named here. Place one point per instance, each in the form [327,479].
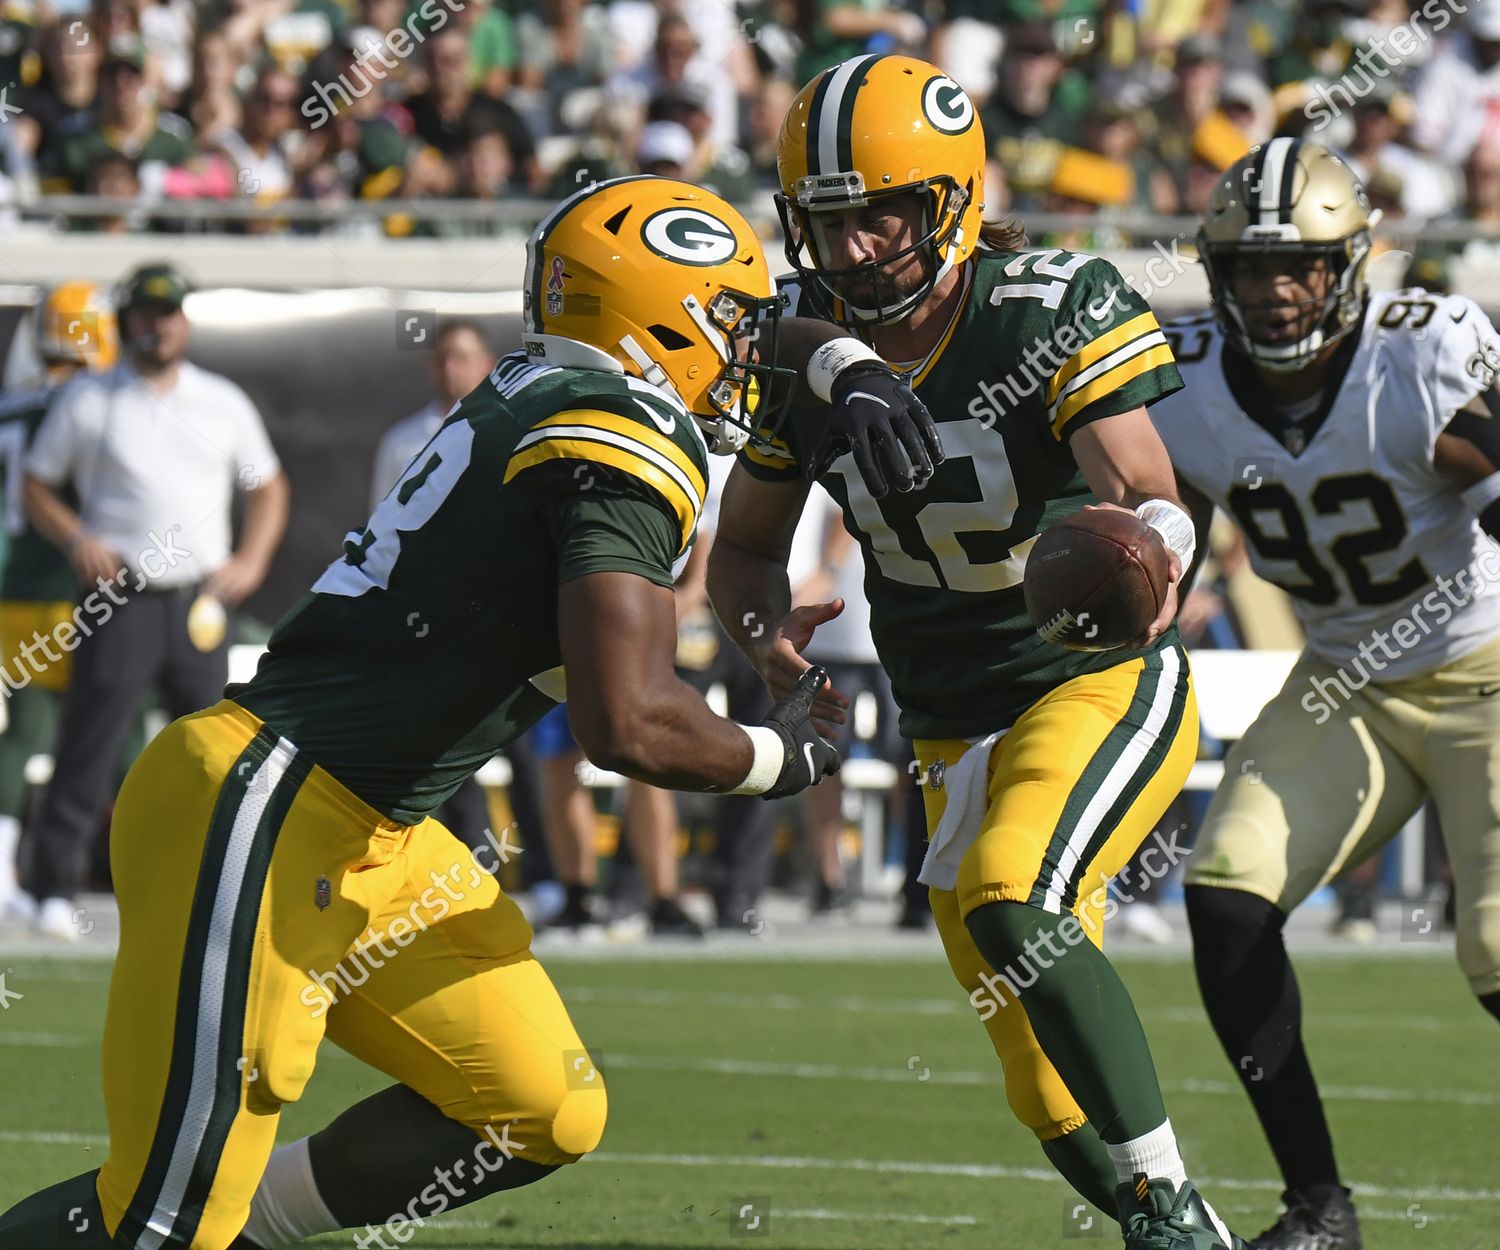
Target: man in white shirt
[155,449]
[461,360]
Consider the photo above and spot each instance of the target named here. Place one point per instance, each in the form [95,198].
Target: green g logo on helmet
[689,236]
[946,106]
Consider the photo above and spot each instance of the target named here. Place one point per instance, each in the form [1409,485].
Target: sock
[65,1216]
[1154,1154]
[579,896]
[1083,1161]
[1491,1003]
[10,836]
[1081,1013]
[287,1206]
[1251,995]
[387,1155]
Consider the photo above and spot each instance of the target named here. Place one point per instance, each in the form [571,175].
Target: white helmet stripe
[828,119]
[1274,167]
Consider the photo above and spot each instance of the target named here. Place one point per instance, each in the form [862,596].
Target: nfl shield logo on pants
[323,895]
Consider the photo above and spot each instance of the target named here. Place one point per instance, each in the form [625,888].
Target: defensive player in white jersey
[1350,435]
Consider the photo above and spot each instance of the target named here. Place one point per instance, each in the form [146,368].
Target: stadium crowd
[1089,106]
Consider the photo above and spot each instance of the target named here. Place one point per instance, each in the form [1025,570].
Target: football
[1096,579]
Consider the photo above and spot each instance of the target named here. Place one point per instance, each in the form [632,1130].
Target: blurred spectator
[1426,190]
[674,65]
[166,30]
[1086,184]
[1189,123]
[1038,104]
[833,30]
[562,50]
[1482,202]
[1113,130]
[968,46]
[360,151]
[125,121]
[767,111]
[665,149]
[485,163]
[212,101]
[492,45]
[294,33]
[1246,101]
[64,99]
[722,168]
[263,151]
[605,151]
[113,176]
[1457,94]
[451,110]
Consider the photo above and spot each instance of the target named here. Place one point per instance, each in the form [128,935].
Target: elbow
[612,738]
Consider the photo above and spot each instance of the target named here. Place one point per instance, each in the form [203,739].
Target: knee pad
[556,1125]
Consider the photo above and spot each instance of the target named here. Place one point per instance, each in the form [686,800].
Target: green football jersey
[432,642]
[1044,343]
[34,569]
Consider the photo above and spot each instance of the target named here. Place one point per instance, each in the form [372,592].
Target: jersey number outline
[1349,551]
[370,554]
[942,521]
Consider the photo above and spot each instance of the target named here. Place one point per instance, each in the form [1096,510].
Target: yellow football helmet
[1289,196]
[871,127]
[76,326]
[659,279]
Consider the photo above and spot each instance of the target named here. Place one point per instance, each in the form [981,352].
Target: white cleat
[1143,921]
[55,919]
[17,907]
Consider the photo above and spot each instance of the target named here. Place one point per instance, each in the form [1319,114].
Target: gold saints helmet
[75,325]
[1289,196]
[662,280]
[870,128]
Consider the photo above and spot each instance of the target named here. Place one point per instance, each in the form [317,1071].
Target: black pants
[142,645]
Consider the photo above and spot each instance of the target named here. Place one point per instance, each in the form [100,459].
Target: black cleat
[669,920]
[1321,1218]
[1154,1217]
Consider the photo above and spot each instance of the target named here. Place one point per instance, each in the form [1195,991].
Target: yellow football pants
[262,905]
[1074,788]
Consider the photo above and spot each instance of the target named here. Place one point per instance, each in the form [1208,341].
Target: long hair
[1008,235]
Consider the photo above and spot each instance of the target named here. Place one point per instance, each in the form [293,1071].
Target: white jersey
[1346,511]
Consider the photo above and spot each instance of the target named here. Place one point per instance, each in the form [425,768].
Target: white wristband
[832,359]
[1175,527]
[770,755]
[1483,493]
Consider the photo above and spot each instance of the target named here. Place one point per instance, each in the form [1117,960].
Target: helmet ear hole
[672,340]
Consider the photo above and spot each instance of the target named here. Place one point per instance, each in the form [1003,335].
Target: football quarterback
[1044,768]
[266,847]
[1352,437]
[75,329]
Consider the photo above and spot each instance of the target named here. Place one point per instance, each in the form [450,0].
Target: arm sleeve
[53,453]
[612,528]
[1467,360]
[1115,355]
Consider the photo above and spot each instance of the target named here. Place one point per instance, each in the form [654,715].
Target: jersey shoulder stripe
[1109,375]
[621,443]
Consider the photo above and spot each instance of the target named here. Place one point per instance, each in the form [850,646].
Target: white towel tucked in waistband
[967,783]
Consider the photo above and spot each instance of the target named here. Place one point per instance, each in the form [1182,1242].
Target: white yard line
[891,1167]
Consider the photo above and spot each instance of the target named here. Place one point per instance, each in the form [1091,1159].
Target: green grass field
[857,1105]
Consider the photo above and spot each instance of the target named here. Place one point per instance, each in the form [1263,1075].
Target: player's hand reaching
[1168,612]
[781,664]
[877,416]
[808,757]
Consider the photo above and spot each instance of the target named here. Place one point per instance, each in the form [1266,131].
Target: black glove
[809,756]
[878,417]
